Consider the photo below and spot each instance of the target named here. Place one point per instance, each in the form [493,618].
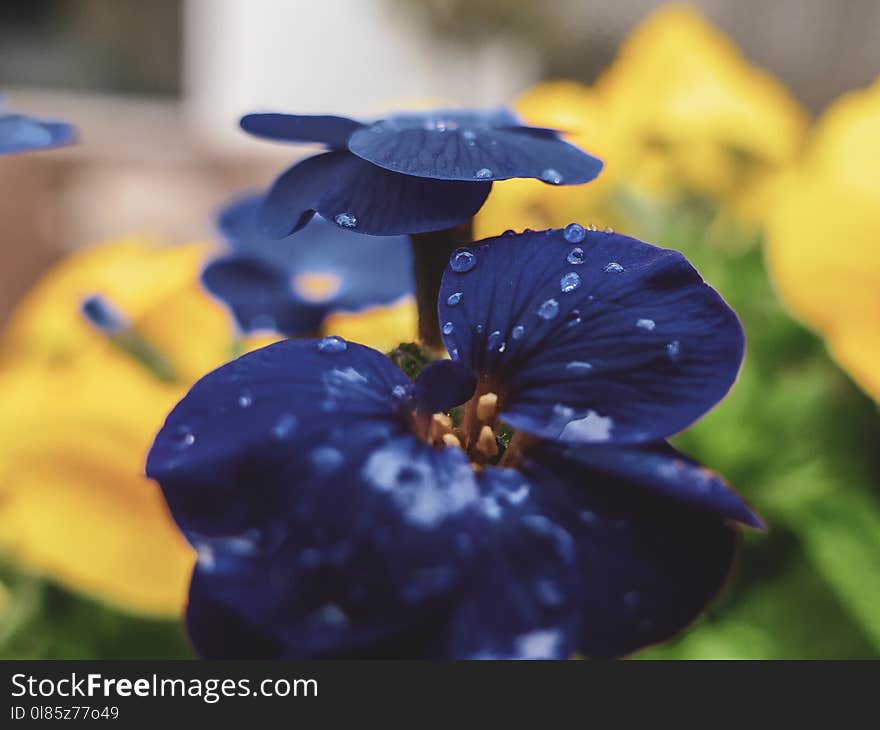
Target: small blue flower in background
[290,286]
[408,173]
[20,133]
[338,511]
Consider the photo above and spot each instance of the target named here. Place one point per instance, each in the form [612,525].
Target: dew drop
[573,319]
[483,173]
[569,282]
[509,232]
[332,344]
[551,176]
[184,438]
[613,267]
[574,233]
[673,350]
[575,256]
[518,332]
[478,328]
[447,328]
[346,220]
[494,340]
[454,299]
[609,229]
[245,399]
[284,427]
[646,324]
[549,309]
[579,367]
[462,260]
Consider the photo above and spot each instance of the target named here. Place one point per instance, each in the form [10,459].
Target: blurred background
[668,95]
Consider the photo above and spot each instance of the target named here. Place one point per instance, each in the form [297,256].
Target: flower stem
[431,253]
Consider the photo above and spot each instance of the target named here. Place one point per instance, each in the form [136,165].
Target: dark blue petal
[664,470]
[232,453]
[523,596]
[471,146]
[103,315]
[590,336]
[20,133]
[261,297]
[359,196]
[443,385]
[324,129]
[648,564]
[267,281]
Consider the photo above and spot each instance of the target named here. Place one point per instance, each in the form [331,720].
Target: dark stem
[431,253]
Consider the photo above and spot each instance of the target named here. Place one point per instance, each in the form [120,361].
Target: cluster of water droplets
[346,220]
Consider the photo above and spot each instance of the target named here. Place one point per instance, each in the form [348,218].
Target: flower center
[317,286]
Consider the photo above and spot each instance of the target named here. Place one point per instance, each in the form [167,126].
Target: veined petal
[591,336]
[471,146]
[648,564]
[328,130]
[359,196]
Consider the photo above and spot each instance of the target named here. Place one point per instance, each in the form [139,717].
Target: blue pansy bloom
[408,173]
[336,513]
[290,286]
[21,133]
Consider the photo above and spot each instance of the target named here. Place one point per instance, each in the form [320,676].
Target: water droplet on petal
[493,340]
[518,332]
[332,344]
[646,324]
[575,256]
[483,173]
[284,426]
[579,367]
[609,229]
[574,233]
[245,399]
[569,282]
[549,309]
[509,232]
[462,260]
[346,220]
[454,299]
[573,319]
[478,328]
[613,267]
[447,328]
[551,176]
[184,438]
[673,350]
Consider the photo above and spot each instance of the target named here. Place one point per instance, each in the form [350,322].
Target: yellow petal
[382,328]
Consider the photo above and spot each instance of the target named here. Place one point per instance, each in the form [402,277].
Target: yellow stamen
[486,444]
[450,439]
[486,406]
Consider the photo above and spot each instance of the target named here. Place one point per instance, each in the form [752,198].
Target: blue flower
[290,286]
[336,513]
[20,133]
[408,173]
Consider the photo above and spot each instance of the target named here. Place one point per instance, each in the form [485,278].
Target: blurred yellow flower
[77,416]
[382,328]
[823,238]
[680,113]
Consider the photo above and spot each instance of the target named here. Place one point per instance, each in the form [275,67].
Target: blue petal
[366,271]
[260,296]
[590,336]
[523,596]
[648,564]
[443,385]
[20,133]
[664,470]
[471,146]
[327,130]
[359,196]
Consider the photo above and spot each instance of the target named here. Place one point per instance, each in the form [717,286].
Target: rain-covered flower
[291,286]
[823,236]
[21,133]
[339,509]
[408,173]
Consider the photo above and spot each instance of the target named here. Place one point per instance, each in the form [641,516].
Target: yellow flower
[823,238]
[697,118]
[680,113]
[382,328]
[77,416]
